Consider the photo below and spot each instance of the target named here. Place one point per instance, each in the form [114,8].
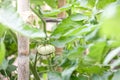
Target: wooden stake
[61,3]
[23,58]
[59,51]
[23,44]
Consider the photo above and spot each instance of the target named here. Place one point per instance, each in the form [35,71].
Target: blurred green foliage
[89,35]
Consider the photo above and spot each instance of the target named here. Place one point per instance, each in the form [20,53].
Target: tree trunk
[23,44]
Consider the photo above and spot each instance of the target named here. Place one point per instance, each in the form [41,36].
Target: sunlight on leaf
[10,18]
[110,26]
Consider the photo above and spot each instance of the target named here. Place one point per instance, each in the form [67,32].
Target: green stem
[6,74]
[33,70]
[40,15]
[35,60]
[50,64]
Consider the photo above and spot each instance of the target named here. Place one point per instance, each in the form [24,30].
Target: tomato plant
[88,36]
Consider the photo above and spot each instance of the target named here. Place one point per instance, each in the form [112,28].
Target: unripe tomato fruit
[45,49]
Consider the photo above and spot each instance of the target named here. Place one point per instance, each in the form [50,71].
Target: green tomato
[45,50]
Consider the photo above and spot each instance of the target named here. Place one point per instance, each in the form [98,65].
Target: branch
[53,19]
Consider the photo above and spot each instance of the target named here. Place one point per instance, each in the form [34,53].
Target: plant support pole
[62,15]
[59,51]
[23,44]
[61,3]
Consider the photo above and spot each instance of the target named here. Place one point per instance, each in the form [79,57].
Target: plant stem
[33,70]
[35,60]
[40,15]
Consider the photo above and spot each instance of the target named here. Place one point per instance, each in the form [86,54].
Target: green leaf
[2,50]
[57,11]
[101,3]
[114,43]
[79,17]
[80,31]
[91,69]
[82,2]
[37,2]
[115,63]
[111,55]
[104,3]
[76,53]
[96,51]
[107,75]
[4,64]
[92,35]
[62,41]
[96,77]
[11,42]
[11,68]
[104,76]
[110,22]
[81,77]
[2,30]
[54,76]
[68,25]
[116,75]
[66,74]
[11,61]
[11,19]
[66,63]
[51,3]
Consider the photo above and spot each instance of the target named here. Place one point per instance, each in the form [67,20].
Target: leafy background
[89,35]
